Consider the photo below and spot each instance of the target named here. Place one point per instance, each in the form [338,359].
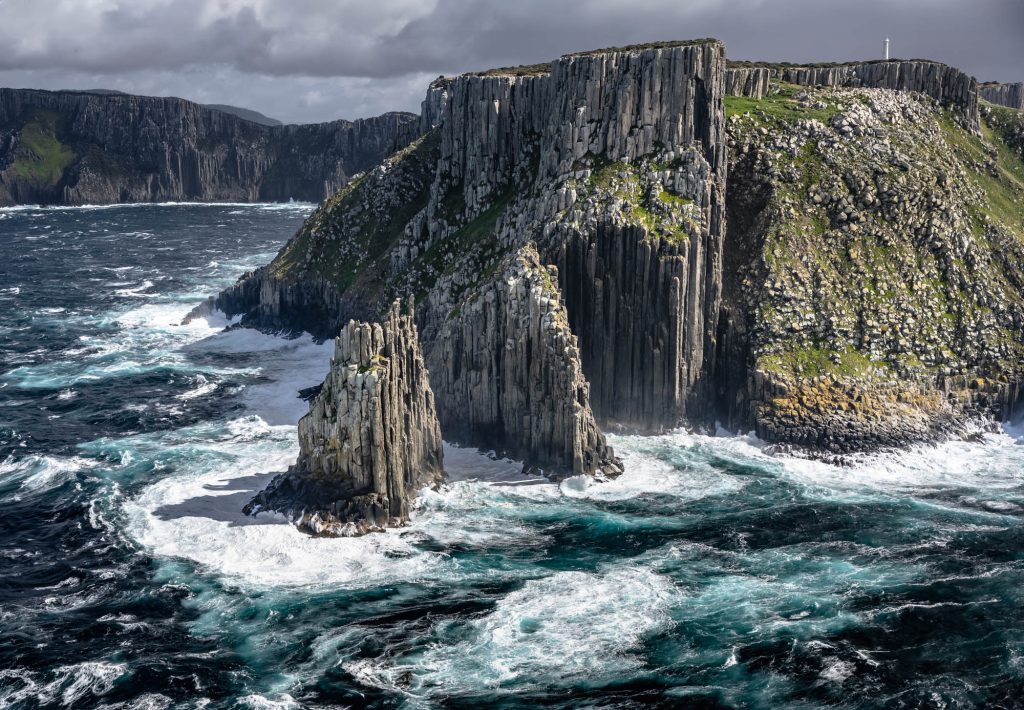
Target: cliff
[371,439]
[873,294]
[611,166]
[1010,95]
[581,262]
[949,86]
[91,148]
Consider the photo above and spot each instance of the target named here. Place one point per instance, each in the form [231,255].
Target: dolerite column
[507,368]
[371,439]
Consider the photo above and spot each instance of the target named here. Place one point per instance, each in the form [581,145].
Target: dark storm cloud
[300,58]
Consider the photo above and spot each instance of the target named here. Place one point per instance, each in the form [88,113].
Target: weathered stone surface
[947,85]
[1011,95]
[753,82]
[849,208]
[873,292]
[122,148]
[535,157]
[371,439]
[507,370]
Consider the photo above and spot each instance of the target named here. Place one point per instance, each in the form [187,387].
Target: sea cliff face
[1010,95]
[875,249]
[581,262]
[81,148]
[611,167]
[947,85]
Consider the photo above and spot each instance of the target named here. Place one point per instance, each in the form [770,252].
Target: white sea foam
[558,629]
[287,366]
[39,473]
[70,686]
[266,206]
[197,515]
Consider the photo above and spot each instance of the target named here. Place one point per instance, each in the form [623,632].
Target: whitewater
[714,573]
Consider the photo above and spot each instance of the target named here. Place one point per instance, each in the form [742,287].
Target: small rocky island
[371,440]
[649,237]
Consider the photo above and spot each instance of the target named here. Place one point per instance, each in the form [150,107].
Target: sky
[304,61]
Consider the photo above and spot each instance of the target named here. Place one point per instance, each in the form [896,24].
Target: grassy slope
[41,157]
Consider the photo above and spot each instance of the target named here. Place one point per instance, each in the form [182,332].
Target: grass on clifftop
[780,106]
[42,158]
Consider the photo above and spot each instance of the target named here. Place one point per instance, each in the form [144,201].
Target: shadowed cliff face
[610,170]
[78,148]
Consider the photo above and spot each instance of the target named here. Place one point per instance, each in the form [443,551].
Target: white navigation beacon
[887,49]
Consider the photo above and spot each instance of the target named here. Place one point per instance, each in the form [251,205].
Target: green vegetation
[42,158]
[443,255]
[521,70]
[780,106]
[342,260]
[999,176]
[816,362]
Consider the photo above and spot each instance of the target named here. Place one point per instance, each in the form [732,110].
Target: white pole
[887,49]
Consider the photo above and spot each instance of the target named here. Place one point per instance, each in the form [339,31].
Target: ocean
[712,574]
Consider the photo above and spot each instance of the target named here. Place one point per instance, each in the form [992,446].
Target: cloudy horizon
[314,60]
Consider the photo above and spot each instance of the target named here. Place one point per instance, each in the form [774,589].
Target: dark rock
[109,148]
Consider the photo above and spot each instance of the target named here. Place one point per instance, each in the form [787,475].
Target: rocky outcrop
[371,439]
[86,148]
[750,81]
[563,229]
[613,164]
[949,86]
[1011,95]
[874,296]
[507,371]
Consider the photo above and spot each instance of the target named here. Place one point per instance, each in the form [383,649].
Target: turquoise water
[711,575]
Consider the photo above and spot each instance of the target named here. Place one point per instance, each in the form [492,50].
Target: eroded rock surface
[371,440]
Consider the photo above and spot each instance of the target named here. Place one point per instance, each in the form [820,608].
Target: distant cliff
[1011,95]
[101,148]
[948,85]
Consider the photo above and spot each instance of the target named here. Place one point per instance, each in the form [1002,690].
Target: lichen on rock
[371,440]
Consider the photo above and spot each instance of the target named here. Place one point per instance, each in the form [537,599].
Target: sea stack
[371,439]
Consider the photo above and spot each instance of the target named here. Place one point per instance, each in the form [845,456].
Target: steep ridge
[371,439]
[563,230]
[1010,95]
[91,148]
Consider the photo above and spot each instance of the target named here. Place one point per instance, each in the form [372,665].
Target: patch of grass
[780,106]
[42,158]
[521,70]
[1003,187]
[817,362]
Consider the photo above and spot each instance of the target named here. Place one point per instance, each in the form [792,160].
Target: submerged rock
[371,439]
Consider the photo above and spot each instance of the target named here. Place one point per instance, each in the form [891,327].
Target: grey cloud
[318,59]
